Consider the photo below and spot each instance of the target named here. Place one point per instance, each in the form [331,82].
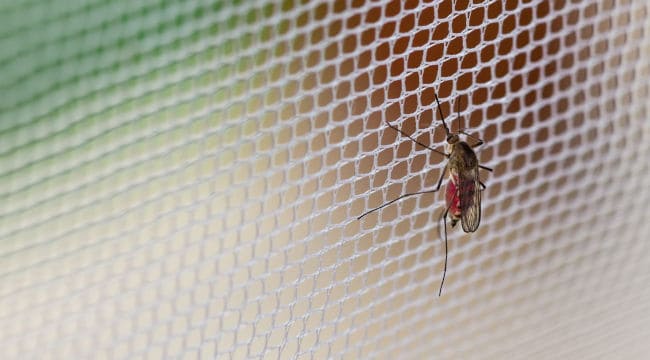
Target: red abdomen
[452,198]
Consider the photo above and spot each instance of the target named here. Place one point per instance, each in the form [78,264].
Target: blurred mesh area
[182,179]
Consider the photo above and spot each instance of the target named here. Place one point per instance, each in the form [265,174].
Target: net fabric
[183,180]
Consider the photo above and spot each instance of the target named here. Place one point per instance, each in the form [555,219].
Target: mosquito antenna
[441,115]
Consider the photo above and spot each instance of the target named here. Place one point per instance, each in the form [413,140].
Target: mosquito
[462,195]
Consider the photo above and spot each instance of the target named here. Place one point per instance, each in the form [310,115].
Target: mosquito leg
[444,272]
[443,214]
[394,200]
[482,185]
[442,175]
[415,141]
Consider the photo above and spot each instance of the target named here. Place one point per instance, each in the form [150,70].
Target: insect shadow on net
[462,195]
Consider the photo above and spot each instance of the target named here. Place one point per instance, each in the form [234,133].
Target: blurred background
[182,179]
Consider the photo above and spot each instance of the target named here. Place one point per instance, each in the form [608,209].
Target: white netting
[183,179]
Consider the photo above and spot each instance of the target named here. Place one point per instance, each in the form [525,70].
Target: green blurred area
[76,74]
[99,97]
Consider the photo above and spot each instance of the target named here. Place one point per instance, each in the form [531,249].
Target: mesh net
[182,179]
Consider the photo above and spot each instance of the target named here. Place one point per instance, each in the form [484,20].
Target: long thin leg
[415,141]
[442,175]
[486,168]
[444,272]
[482,185]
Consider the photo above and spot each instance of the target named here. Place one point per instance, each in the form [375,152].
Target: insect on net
[182,179]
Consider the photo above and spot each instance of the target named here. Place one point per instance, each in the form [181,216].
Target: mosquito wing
[470,200]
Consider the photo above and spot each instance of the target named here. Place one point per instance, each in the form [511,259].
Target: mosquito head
[452,138]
